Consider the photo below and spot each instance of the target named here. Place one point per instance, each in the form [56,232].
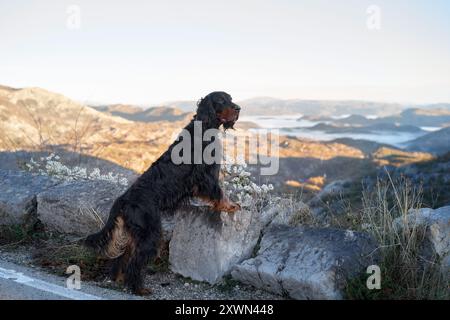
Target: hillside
[35,119]
[152,114]
[118,109]
[272,106]
[413,117]
[331,128]
[437,142]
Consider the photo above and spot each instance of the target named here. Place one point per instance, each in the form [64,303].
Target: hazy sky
[147,52]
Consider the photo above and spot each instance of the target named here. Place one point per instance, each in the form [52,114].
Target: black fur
[162,188]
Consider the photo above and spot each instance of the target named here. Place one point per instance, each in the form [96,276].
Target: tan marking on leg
[120,238]
[120,278]
[224,204]
[227,205]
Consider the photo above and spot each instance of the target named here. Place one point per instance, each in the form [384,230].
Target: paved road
[23,283]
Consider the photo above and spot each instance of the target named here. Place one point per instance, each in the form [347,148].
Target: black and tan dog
[132,233]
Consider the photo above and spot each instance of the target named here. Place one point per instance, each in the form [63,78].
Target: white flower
[52,167]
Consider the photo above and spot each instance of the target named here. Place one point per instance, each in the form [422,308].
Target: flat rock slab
[306,262]
[18,190]
[78,208]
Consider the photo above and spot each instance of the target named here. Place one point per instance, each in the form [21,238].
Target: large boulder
[18,190]
[436,225]
[79,207]
[306,262]
[205,245]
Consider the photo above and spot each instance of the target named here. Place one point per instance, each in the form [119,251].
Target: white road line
[19,277]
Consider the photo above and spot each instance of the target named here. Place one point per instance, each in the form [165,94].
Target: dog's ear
[205,111]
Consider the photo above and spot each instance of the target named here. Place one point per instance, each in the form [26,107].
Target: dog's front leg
[218,202]
[225,204]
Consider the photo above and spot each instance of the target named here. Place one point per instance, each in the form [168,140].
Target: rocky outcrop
[307,263]
[75,207]
[79,207]
[205,245]
[436,225]
[18,192]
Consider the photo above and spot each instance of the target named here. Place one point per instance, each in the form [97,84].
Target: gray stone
[167,226]
[18,190]
[78,208]
[205,245]
[332,190]
[436,224]
[306,262]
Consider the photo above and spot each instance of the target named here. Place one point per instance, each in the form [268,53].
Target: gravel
[165,285]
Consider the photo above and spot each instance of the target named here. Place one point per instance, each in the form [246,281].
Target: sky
[149,52]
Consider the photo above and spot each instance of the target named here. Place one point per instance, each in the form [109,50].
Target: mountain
[38,116]
[437,142]
[333,108]
[373,128]
[273,106]
[184,105]
[35,119]
[153,114]
[422,117]
[119,109]
[413,116]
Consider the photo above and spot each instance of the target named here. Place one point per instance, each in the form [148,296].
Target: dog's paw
[232,207]
[226,205]
[119,279]
[143,292]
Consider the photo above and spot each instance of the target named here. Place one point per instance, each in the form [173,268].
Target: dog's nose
[236,107]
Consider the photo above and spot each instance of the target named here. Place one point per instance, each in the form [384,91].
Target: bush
[239,186]
[51,166]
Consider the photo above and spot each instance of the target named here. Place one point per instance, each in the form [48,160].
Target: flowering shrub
[51,166]
[238,185]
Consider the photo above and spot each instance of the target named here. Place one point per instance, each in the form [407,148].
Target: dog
[132,233]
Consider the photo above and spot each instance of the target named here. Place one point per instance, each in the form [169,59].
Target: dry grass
[407,273]
[302,214]
[56,257]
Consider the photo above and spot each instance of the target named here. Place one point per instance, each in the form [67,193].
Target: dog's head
[217,109]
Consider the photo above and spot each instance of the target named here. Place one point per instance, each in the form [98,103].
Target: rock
[436,224]
[18,190]
[306,262]
[167,226]
[78,208]
[205,245]
[286,212]
[334,189]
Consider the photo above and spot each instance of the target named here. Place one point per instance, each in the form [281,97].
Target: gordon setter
[131,235]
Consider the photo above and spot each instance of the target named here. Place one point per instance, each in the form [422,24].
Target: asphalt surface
[22,283]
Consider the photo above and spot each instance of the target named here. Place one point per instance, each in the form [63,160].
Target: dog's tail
[112,240]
